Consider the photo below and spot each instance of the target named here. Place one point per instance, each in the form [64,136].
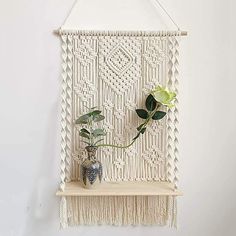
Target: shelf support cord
[166,12]
[156,1]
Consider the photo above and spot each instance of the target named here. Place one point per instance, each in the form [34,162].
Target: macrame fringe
[63,213]
[121,210]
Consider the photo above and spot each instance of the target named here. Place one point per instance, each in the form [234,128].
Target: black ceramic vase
[91,169]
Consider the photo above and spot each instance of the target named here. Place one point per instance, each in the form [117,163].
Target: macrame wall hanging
[115,70]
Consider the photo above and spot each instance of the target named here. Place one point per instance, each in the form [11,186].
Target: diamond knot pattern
[119,139]
[119,59]
[156,127]
[120,63]
[107,151]
[85,89]
[130,128]
[149,86]
[108,104]
[119,114]
[85,54]
[153,156]
[131,105]
[119,163]
[154,56]
[108,127]
[131,152]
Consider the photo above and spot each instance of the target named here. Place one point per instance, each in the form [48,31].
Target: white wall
[29,102]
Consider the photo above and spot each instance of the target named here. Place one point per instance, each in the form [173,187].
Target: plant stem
[116,146]
[144,125]
[91,130]
[151,115]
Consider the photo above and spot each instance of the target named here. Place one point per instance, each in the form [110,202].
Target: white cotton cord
[69,107]
[69,13]
[176,112]
[63,113]
[170,116]
[119,210]
[163,8]
[63,213]
[156,1]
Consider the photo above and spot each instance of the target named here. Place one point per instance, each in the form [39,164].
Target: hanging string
[155,2]
[70,11]
[163,8]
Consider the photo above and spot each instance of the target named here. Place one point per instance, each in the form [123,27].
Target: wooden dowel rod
[184,33]
[57,32]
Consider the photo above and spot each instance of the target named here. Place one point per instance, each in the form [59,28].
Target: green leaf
[84,135]
[143,130]
[150,103]
[142,113]
[158,115]
[98,132]
[85,131]
[83,119]
[95,112]
[98,141]
[98,118]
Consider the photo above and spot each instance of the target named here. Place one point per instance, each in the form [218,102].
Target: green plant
[158,97]
[154,103]
[89,132]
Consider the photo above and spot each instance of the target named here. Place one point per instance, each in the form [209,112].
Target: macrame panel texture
[115,72]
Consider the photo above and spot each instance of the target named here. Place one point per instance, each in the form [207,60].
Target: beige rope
[164,9]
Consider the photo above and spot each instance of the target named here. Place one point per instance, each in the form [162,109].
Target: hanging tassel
[174,214]
[63,213]
[119,210]
[172,211]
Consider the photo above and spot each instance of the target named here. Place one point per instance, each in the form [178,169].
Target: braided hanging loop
[176,112]
[170,117]
[69,109]
[172,121]
[63,112]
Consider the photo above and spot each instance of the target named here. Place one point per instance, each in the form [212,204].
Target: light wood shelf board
[121,189]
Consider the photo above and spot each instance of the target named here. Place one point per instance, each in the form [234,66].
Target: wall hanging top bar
[120,33]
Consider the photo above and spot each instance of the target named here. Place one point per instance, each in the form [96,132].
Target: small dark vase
[91,169]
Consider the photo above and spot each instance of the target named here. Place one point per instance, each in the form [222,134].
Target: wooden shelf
[121,189]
